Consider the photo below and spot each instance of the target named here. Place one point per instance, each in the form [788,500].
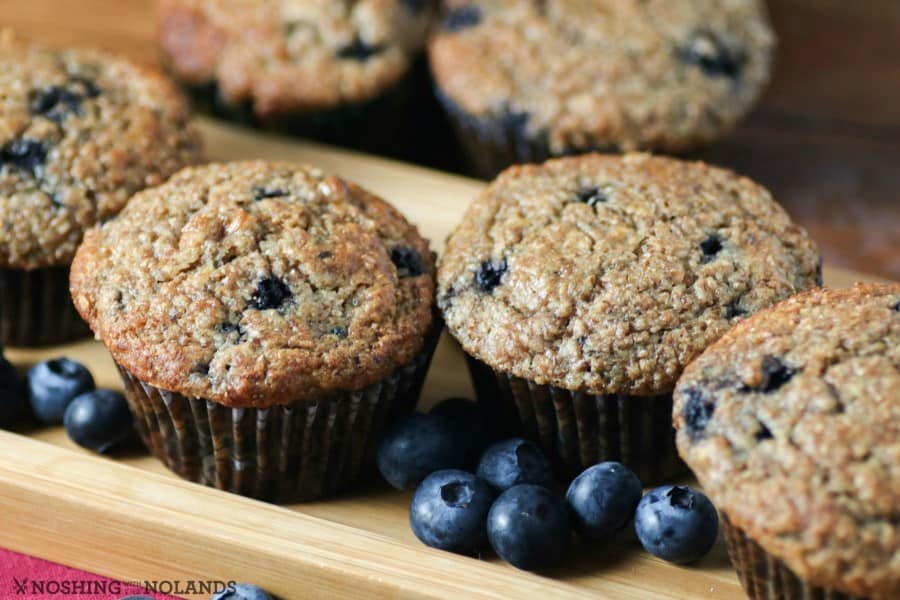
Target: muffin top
[80,132]
[626,74]
[792,424]
[284,56]
[255,284]
[608,274]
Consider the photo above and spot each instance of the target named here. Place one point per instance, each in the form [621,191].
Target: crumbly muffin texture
[292,56]
[625,74]
[607,275]
[80,132]
[792,424]
[254,284]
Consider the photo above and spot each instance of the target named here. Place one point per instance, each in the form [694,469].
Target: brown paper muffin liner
[764,576]
[286,453]
[36,309]
[577,430]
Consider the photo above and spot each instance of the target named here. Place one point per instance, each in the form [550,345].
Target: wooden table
[825,140]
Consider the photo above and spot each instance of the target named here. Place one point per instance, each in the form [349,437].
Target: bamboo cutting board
[128,518]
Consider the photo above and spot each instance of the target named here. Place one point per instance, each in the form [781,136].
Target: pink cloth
[27,578]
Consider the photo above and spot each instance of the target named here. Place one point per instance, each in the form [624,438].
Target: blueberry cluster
[470,494]
[62,391]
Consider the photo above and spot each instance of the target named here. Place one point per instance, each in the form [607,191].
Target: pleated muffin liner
[766,577]
[490,145]
[577,430]
[36,308]
[287,453]
[390,124]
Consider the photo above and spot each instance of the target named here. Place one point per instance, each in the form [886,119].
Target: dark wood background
[825,140]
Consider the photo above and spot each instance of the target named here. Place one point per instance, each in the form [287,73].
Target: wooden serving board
[127,517]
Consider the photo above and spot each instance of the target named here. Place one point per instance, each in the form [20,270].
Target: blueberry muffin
[525,80]
[342,72]
[267,321]
[80,132]
[792,424]
[582,287]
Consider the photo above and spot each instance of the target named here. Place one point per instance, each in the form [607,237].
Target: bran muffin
[80,132]
[791,422]
[341,72]
[267,321]
[525,80]
[582,287]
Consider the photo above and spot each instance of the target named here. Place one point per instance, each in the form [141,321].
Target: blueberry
[896,307]
[697,412]
[528,527]
[592,196]
[55,103]
[416,446]
[23,155]
[489,275]
[261,193]
[734,309]
[466,418]
[775,374]
[515,461]
[53,384]
[98,420]
[676,523]
[11,394]
[359,50]
[242,591]
[710,247]
[414,6]
[461,18]
[271,292]
[449,511]
[602,499]
[408,261]
[708,52]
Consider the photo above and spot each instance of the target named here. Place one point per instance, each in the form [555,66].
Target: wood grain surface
[825,139]
[128,518]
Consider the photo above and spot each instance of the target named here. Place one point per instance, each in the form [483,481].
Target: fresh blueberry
[466,418]
[528,527]
[271,292]
[602,499]
[489,275]
[449,511]
[408,261]
[11,394]
[243,591]
[98,420]
[515,461]
[676,523]
[416,446]
[53,384]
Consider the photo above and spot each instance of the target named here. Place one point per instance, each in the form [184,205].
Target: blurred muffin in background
[523,81]
[340,72]
[80,132]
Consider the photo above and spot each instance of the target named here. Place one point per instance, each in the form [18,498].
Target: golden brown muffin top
[628,74]
[792,424]
[255,284]
[288,56]
[609,275]
[80,132]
